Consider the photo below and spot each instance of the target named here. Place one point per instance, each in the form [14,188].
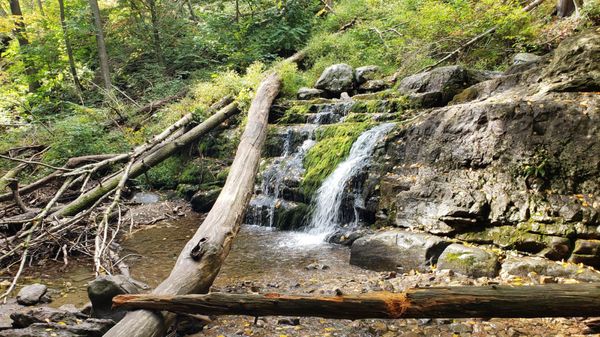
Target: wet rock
[470,261]
[91,327]
[347,237]
[31,294]
[521,58]
[291,216]
[373,86]
[366,73]
[101,292]
[438,86]
[23,319]
[522,266]
[397,250]
[336,79]
[586,252]
[203,201]
[309,93]
[145,198]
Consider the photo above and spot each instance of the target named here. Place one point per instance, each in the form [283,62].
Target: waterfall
[329,196]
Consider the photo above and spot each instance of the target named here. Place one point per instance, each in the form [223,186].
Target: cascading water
[330,195]
[273,177]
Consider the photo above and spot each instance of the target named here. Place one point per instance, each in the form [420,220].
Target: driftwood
[201,258]
[556,300]
[71,163]
[145,163]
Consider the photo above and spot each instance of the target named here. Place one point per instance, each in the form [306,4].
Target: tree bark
[144,164]
[191,9]
[72,68]
[41,7]
[564,8]
[15,9]
[102,54]
[201,258]
[557,300]
[156,32]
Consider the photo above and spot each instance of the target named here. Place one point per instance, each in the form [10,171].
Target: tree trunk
[15,9]
[191,9]
[557,300]
[156,32]
[565,8]
[144,164]
[41,7]
[102,55]
[72,68]
[201,258]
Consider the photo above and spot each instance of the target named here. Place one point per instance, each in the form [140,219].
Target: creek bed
[265,260]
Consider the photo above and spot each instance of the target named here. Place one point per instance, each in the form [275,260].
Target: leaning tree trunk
[72,68]
[15,9]
[557,300]
[102,54]
[142,165]
[200,260]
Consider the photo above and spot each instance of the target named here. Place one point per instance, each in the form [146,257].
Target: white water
[329,196]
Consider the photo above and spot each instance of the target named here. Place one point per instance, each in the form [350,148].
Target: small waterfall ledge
[328,200]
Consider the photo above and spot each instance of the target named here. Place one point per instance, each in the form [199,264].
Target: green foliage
[166,174]
[83,134]
[407,35]
[333,146]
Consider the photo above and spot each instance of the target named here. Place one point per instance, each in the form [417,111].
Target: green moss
[464,259]
[166,174]
[333,145]
[292,217]
[296,114]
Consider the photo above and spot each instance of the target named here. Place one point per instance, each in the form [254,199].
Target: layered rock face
[513,161]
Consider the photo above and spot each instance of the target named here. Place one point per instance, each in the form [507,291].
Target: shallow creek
[265,260]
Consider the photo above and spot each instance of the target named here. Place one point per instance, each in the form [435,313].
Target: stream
[267,260]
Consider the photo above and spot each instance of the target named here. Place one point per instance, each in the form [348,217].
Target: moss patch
[333,146]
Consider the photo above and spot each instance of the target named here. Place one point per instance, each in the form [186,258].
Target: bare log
[10,175]
[71,163]
[143,164]
[556,300]
[200,260]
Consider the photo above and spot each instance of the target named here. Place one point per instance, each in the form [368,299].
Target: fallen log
[71,163]
[145,163]
[200,260]
[556,300]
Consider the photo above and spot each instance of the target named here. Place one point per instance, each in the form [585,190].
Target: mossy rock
[292,216]
[470,261]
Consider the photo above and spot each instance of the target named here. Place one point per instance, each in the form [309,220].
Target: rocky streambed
[267,260]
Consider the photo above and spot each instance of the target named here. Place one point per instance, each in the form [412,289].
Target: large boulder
[31,294]
[397,251]
[336,79]
[309,93]
[366,73]
[523,266]
[514,165]
[469,261]
[101,292]
[437,87]
[521,58]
